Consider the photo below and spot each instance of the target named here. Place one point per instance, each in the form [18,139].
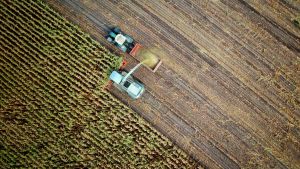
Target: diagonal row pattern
[53,111]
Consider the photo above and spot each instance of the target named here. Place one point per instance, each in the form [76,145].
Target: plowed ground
[54,112]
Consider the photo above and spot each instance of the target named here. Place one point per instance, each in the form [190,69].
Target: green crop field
[54,112]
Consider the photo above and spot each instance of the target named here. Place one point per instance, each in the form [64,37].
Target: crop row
[54,112]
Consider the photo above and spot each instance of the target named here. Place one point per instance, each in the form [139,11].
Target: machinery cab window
[127,84]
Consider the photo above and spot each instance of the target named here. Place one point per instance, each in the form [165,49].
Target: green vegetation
[296,21]
[54,112]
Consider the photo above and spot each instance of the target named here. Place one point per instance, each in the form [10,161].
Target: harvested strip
[53,109]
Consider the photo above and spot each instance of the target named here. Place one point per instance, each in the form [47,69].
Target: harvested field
[54,112]
[228,91]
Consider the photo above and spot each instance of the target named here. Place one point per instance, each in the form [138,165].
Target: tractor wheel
[129,39]
[109,39]
[117,30]
[123,48]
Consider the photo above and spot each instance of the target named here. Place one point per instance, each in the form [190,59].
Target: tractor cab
[121,40]
[127,83]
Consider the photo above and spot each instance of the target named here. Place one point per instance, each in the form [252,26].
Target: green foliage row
[54,112]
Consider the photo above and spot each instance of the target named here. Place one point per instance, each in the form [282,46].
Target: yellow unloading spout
[148,57]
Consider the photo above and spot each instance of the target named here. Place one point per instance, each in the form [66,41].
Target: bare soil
[228,91]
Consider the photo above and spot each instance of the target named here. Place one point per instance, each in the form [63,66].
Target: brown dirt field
[228,91]
[54,109]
